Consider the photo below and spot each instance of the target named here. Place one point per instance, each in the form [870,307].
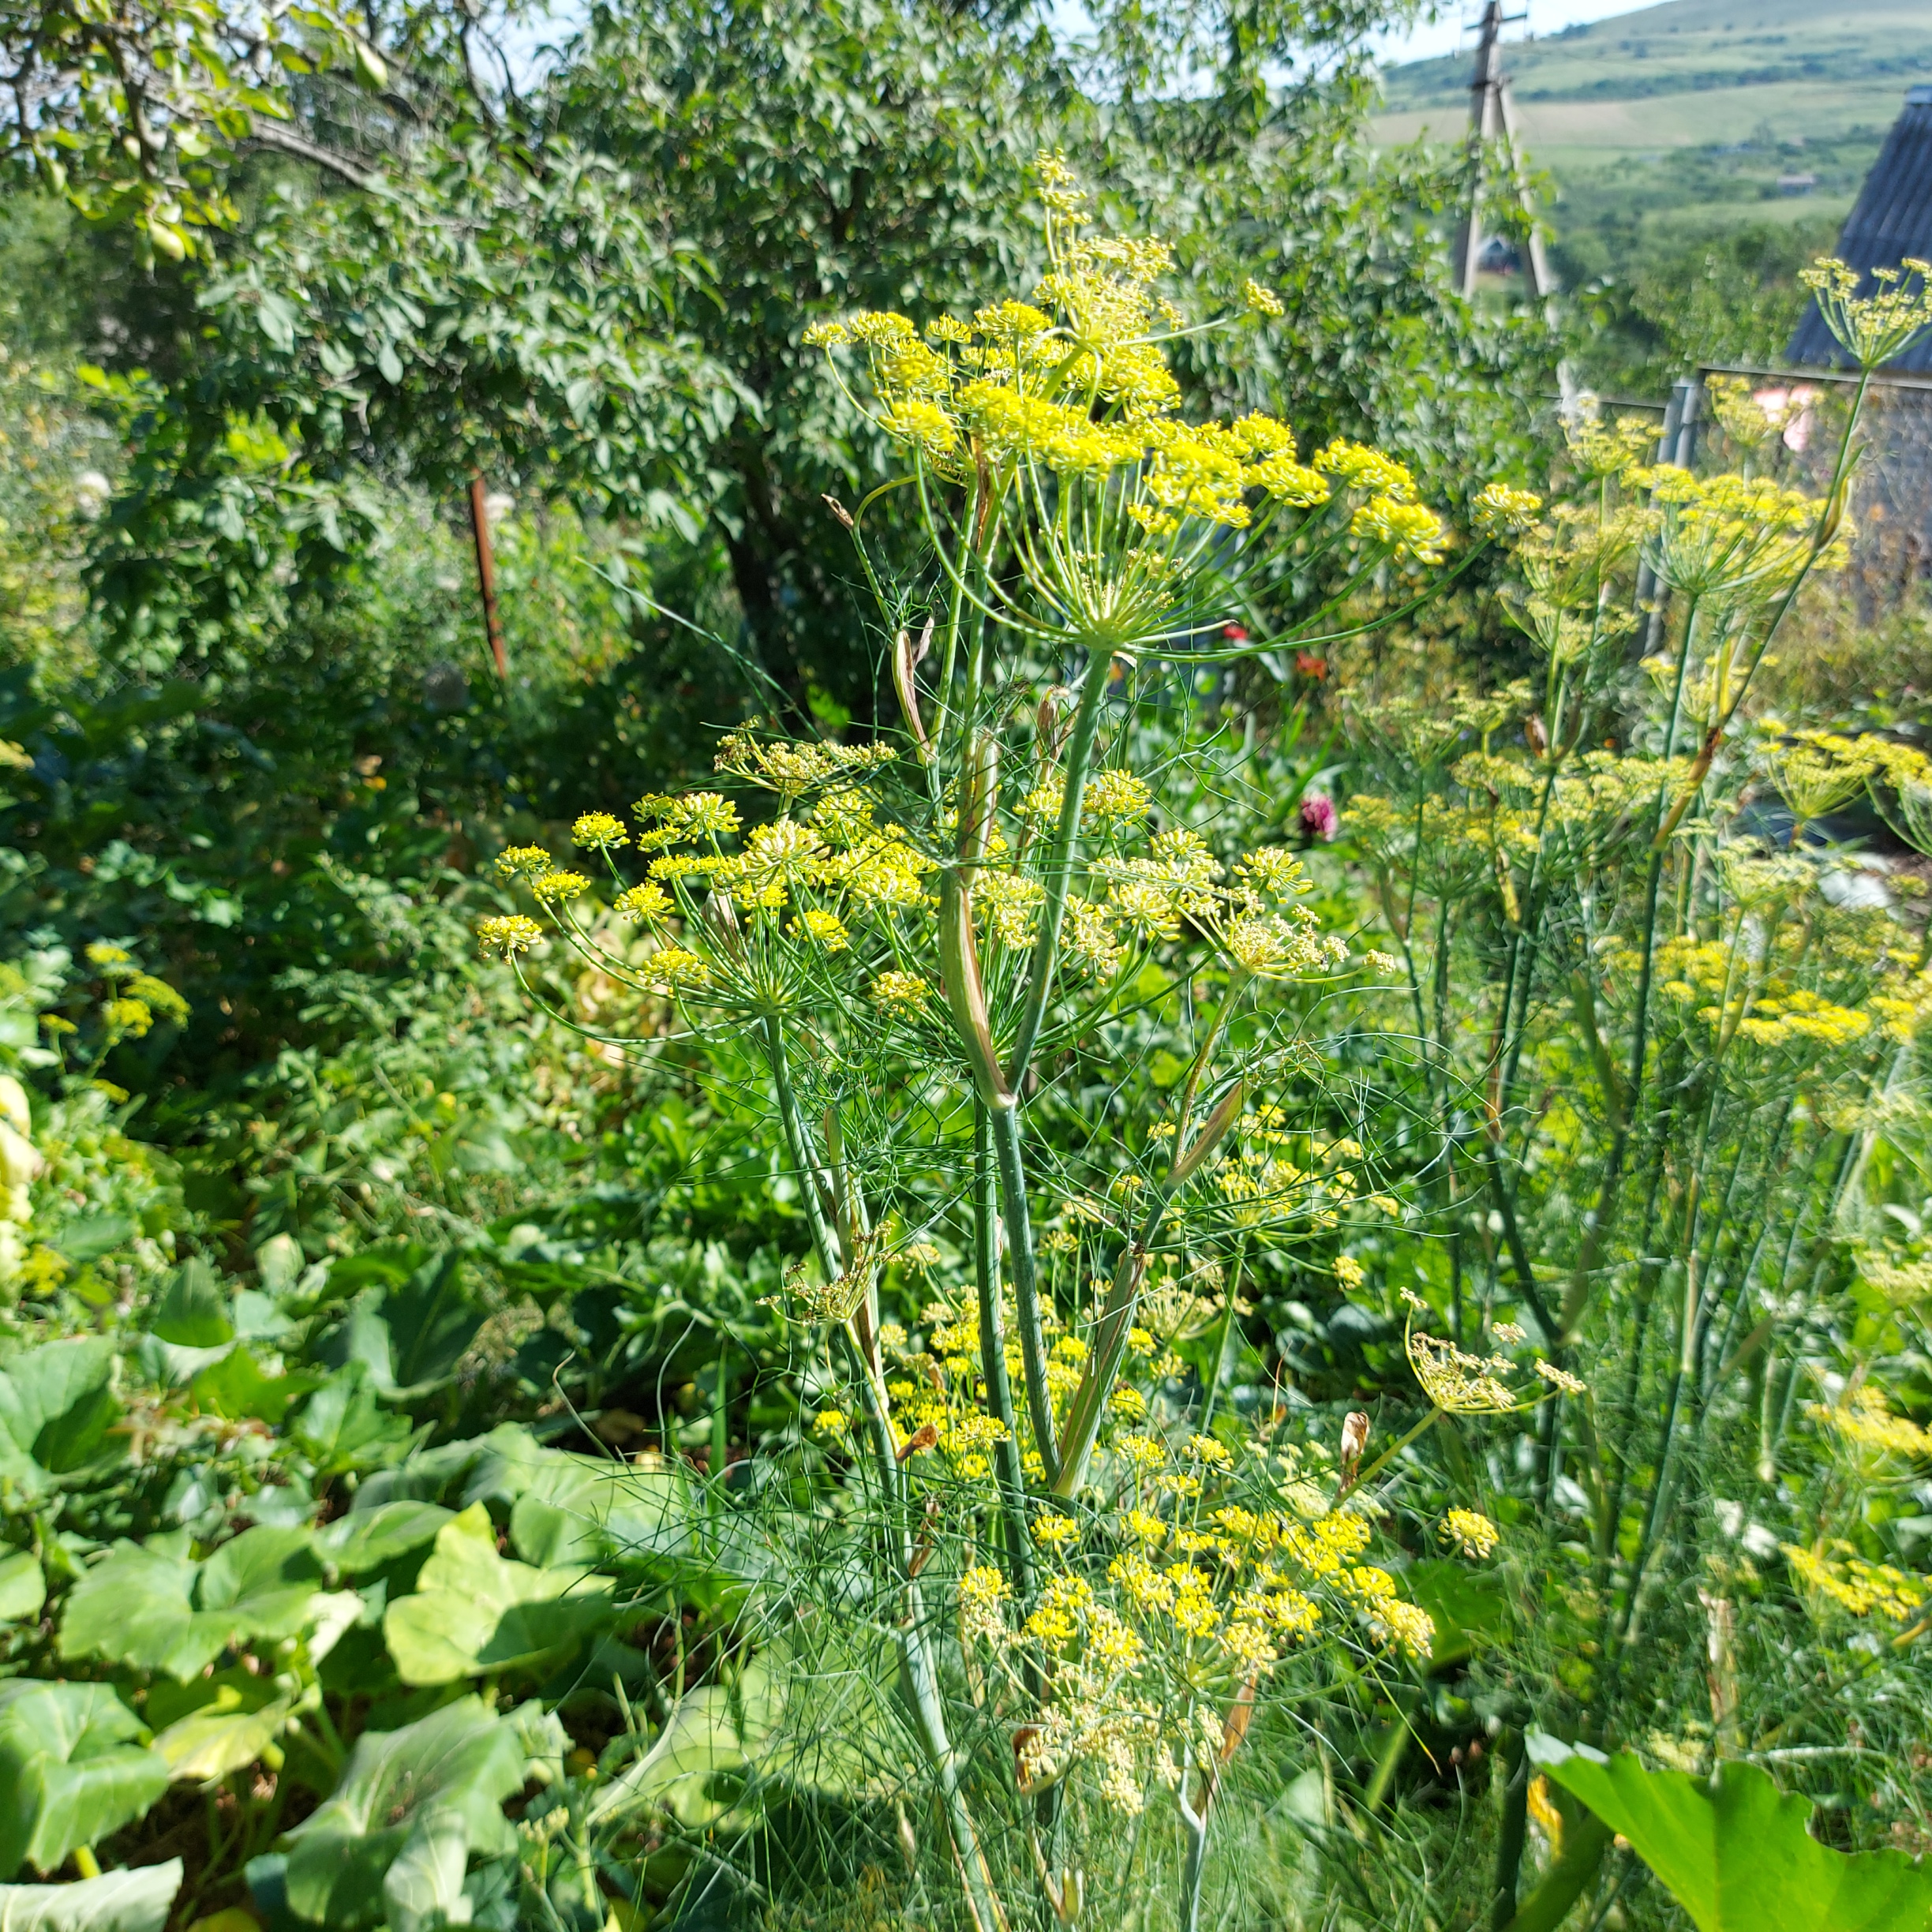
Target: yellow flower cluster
[508,934]
[1877,326]
[1868,1421]
[1074,383]
[1469,1531]
[1864,1589]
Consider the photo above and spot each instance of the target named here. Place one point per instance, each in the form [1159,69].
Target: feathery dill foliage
[1667,1073]
[1094,1574]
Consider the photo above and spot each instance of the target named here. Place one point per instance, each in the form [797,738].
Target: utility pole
[1493,120]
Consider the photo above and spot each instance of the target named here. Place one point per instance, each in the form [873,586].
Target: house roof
[1892,219]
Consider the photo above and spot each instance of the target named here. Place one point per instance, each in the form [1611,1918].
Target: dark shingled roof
[1893,219]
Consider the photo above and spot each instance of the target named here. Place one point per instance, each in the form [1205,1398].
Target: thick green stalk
[993,1359]
[1059,875]
[1005,1124]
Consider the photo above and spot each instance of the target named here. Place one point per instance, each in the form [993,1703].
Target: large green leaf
[1734,1849]
[473,1611]
[392,1842]
[365,1539]
[193,1311]
[152,1605]
[342,1427]
[72,1770]
[813,1712]
[408,1334]
[56,1407]
[116,1901]
[232,1729]
[23,1588]
[585,1509]
[235,1386]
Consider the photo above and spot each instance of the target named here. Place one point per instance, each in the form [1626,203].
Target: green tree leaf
[1734,1849]
[71,1770]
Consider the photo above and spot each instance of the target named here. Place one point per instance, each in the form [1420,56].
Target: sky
[1454,30]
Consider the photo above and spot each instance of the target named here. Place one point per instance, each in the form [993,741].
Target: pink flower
[1318,815]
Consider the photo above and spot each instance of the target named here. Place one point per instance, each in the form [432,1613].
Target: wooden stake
[486,575]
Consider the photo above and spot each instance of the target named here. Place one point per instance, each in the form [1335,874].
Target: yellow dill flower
[1128,1402]
[1207,1449]
[903,994]
[160,995]
[1349,1271]
[678,966]
[1860,1587]
[531,859]
[1410,529]
[509,933]
[831,1422]
[1111,1642]
[1868,1421]
[1144,1524]
[981,1590]
[131,1017]
[1502,512]
[558,885]
[683,821]
[1262,300]
[1115,793]
[822,928]
[1405,1624]
[599,831]
[1050,1531]
[1070,1349]
[647,904]
[1364,469]
[1144,1452]
[1471,1532]
[1141,1343]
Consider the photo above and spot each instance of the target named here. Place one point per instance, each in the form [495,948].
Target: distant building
[1892,220]
[1892,223]
[1796,184]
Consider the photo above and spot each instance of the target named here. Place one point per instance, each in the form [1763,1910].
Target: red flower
[1311,666]
[1235,633]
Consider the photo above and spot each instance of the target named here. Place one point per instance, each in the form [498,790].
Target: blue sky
[1455,28]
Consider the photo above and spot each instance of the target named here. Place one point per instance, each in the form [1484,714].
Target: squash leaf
[72,1768]
[1734,1849]
[152,1606]
[116,1901]
[392,1844]
[473,1611]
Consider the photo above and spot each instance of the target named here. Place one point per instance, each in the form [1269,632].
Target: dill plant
[1660,1054]
[1090,1573]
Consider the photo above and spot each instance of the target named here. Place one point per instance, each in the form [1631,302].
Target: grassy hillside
[1667,137]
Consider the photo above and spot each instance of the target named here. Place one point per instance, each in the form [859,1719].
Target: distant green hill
[1704,46]
[1742,125]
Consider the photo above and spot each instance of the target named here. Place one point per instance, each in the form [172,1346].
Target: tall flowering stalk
[927,938]
[1682,1041]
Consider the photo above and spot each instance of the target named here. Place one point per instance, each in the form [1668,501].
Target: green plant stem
[1058,873]
[1005,1123]
[993,1359]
